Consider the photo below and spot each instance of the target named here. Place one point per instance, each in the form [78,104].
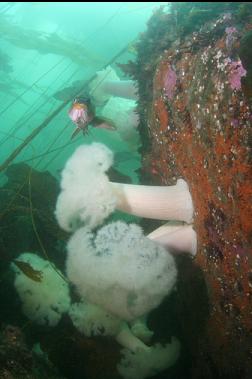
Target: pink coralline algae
[236,72]
[170,83]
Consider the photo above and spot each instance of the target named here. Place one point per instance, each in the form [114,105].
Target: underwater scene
[126,190]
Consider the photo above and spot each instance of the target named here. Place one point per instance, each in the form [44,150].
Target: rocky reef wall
[194,74]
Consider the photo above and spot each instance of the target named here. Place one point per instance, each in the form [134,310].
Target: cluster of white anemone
[88,198]
[118,101]
[119,273]
[120,276]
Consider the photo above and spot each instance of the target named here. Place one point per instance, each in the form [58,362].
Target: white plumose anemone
[46,300]
[120,269]
[86,194]
[88,198]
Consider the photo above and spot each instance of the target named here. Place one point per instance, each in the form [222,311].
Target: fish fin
[85,131]
[76,131]
[104,123]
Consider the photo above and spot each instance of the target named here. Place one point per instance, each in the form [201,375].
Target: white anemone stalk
[107,83]
[155,202]
[88,197]
[126,89]
[140,361]
[176,238]
[127,339]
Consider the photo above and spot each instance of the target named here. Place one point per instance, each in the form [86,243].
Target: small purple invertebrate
[236,72]
[230,30]
[231,36]
[170,83]
[234,122]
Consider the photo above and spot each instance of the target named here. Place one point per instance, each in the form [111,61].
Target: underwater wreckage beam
[47,121]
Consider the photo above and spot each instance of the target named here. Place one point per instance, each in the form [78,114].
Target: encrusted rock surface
[200,129]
